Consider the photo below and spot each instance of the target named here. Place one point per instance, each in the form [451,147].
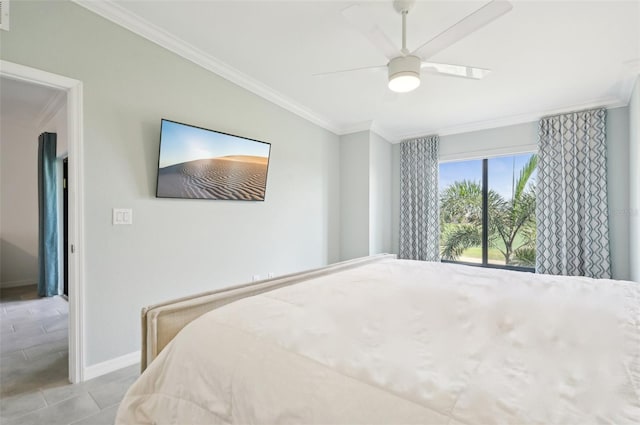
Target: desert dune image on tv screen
[204,164]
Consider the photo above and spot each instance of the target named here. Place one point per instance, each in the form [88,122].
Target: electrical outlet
[256,277]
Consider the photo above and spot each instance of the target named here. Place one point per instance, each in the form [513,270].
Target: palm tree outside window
[487,211]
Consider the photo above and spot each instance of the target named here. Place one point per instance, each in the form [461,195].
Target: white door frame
[73,89]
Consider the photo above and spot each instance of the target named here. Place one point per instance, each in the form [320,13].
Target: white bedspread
[405,342]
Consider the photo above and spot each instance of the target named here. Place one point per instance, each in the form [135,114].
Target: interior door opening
[72,90]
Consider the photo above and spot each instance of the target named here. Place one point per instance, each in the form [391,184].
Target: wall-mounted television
[197,163]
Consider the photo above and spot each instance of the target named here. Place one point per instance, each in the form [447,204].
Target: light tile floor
[34,385]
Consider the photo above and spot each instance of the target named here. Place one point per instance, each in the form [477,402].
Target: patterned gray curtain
[419,207]
[571,203]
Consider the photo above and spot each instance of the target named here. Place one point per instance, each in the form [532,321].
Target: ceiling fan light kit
[404,73]
[404,65]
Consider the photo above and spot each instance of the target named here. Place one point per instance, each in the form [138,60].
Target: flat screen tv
[198,163]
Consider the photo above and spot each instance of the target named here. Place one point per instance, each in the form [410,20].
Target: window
[487,211]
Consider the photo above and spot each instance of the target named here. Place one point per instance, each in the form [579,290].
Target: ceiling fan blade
[467,25]
[361,20]
[455,70]
[364,68]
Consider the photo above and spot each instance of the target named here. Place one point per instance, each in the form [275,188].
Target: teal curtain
[47,216]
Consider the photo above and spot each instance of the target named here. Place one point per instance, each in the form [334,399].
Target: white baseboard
[16,283]
[112,365]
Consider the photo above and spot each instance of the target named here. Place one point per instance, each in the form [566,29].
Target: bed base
[162,322]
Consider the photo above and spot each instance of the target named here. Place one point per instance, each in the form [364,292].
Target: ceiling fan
[404,67]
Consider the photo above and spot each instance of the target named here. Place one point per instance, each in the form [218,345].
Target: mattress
[403,341]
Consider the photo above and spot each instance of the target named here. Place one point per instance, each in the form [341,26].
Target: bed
[382,340]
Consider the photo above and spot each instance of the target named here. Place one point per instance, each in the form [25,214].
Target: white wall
[18,203]
[354,195]
[19,193]
[174,247]
[634,182]
[379,195]
[524,138]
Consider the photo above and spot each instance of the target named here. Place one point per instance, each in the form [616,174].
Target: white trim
[381,132]
[370,126]
[356,128]
[627,79]
[121,16]
[73,88]
[75,136]
[134,23]
[35,76]
[111,365]
[515,119]
[16,283]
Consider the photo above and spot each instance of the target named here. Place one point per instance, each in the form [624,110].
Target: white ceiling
[546,57]
[25,103]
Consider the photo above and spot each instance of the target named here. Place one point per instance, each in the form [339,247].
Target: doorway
[75,228]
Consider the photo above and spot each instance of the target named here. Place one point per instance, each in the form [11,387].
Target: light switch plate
[122,216]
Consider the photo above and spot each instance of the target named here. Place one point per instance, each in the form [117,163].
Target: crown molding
[134,23]
[628,77]
[51,109]
[611,102]
[381,132]
[356,128]
[370,126]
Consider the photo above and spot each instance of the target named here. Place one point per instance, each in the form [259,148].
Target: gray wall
[18,203]
[174,247]
[365,195]
[395,199]
[354,195]
[523,138]
[634,185]
[379,195]
[618,190]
